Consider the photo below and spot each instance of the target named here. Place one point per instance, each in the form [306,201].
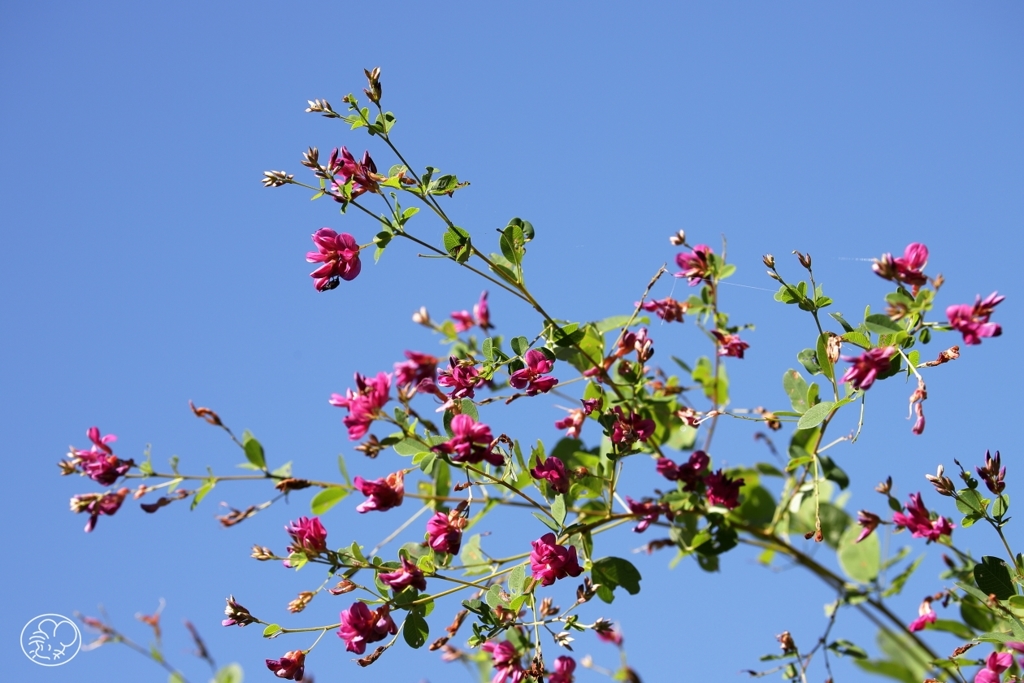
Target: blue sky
[142,264]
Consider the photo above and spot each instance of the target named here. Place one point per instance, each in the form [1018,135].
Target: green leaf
[796,388]
[969,501]
[175,677]
[326,499]
[253,450]
[857,339]
[612,572]
[232,673]
[887,669]
[517,579]
[409,447]
[201,492]
[823,361]
[900,579]
[880,323]
[520,345]
[271,630]
[809,360]
[845,647]
[558,509]
[1000,505]
[548,522]
[415,631]
[838,317]
[955,627]
[860,561]
[993,577]
[815,415]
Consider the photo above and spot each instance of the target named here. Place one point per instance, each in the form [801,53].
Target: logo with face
[51,640]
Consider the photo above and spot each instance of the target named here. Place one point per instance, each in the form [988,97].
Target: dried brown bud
[943,484]
[374,90]
[262,553]
[938,281]
[962,649]
[885,486]
[67,467]
[344,586]
[769,418]
[370,659]
[678,239]
[311,158]
[804,259]
[768,260]
[547,609]
[292,484]
[237,516]
[277,178]
[206,413]
[952,353]
[299,603]
[371,448]
[786,642]
[832,347]
[585,591]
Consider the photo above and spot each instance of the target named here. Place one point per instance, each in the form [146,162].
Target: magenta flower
[868,520]
[608,634]
[919,521]
[290,666]
[551,561]
[99,462]
[339,254]
[562,673]
[418,367]
[442,535]
[507,665]
[482,313]
[382,494]
[308,536]
[471,442]
[691,473]
[995,665]
[571,423]
[554,471]
[729,344]
[993,474]
[907,268]
[364,404]
[696,265]
[926,615]
[722,490]
[667,309]
[867,366]
[648,512]
[463,320]
[97,504]
[360,626]
[628,430]
[363,173]
[408,575]
[973,321]
[531,377]
[236,614]
[461,376]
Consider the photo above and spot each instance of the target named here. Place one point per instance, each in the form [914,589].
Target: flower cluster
[506,660]
[444,533]
[720,489]
[695,265]
[339,256]
[573,422]
[648,512]
[532,376]
[628,429]
[418,367]
[470,442]
[729,344]
[973,321]
[464,320]
[554,471]
[99,462]
[364,404]
[408,575]
[291,666]
[867,366]
[361,626]
[308,536]
[97,504]
[907,269]
[919,521]
[667,309]
[362,174]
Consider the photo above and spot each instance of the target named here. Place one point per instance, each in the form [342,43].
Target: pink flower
[290,666]
[236,614]
[691,473]
[471,442]
[551,561]
[554,471]
[363,173]
[562,673]
[99,462]
[667,309]
[364,404]
[339,255]
[926,615]
[919,521]
[973,321]
[419,367]
[648,513]
[995,665]
[628,430]
[696,265]
[907,268]
[463,320]
[531,377]
[308,536]
[723,490]
[462,376]
[867,366]
[408,575]
[730,344]
[382,494]
[571,423]
[506,661]
[868,520]
[97,504]
[608,634]
[482,313]
[442,535]
[361,626]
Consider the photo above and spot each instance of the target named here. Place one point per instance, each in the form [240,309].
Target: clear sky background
[142,264]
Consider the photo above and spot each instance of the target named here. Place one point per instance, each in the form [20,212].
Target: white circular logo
[51,640]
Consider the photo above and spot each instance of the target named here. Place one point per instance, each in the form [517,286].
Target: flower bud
[421,317]
[768,260]
[678,239]
[277,178]
[804,259]
[943,484]
[236,613]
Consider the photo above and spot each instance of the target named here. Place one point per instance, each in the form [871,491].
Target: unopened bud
[774,276]
[804,259]
[373,79]
[236,614]
[299,603]
[768,260]
[786,642]
[678,239]
[344,586]
[885,486]
[262,553]
[276,178]
[421,317]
